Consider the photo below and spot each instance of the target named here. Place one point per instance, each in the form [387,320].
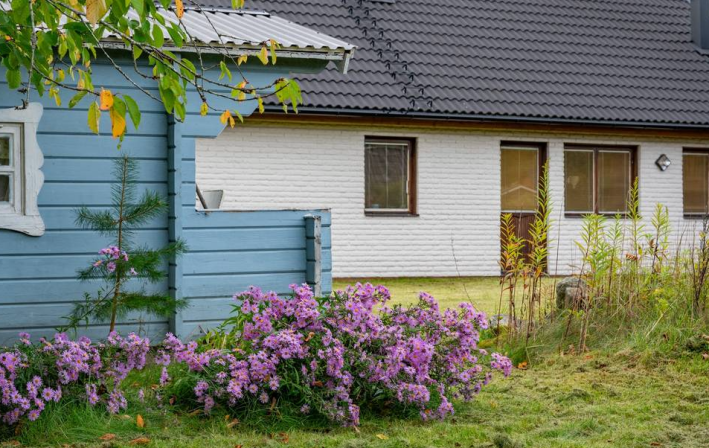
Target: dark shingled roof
[601,61]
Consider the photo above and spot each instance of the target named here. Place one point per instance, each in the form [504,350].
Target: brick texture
[267,166]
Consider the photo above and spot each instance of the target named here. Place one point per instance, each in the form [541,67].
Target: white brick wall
[266,166]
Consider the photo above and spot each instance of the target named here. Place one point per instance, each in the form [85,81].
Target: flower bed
[328,356]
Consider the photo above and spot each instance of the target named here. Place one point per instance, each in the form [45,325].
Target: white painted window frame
[22,213]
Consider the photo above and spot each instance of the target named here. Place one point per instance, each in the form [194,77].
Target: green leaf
[175,34]
[133,110]
[94,116]
[225,71]
[14,79]
[189,70]
[139,5]
[158,36]
[76,98]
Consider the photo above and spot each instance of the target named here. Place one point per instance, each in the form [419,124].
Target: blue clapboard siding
[38,283]
[228,251]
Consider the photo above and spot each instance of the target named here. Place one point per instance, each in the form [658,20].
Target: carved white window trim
[22,214]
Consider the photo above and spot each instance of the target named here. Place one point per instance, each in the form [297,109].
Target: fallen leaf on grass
[232,423]
[126,417]
[195,412]
[107,437]
[705,356]
[139,421]
[172,400]
[239,446]
[382,437]
[523,365]
[655,444]
[140,441]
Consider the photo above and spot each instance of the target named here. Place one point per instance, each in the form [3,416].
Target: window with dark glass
[389,166]
[597,179]
[695,182]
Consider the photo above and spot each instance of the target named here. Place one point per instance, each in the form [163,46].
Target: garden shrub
[322,356]
[34,375]
[333,355]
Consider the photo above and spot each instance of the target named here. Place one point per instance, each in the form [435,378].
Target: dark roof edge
[494,118]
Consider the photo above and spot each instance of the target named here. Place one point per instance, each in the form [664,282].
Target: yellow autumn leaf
[179,9]
[203,109]
[382,437]
[139,419]
[225,117]
[118,128]
[263,55]
[243,58]
[241,96]
[95,9]
[260,105]
[106,99]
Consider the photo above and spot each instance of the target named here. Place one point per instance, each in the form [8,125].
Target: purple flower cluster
[348,342]
[33,375]
[112,257]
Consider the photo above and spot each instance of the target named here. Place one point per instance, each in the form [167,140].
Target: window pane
[4,151]
[695,182]
[613,181]
[386,178]
[578,169]
[519,179]
[5,188]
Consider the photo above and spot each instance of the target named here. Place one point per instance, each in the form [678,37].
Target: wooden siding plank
[246,218]
[84,242]
[245,239]
[74,146]
[99,170]
[228,285]
[209,263]
[73,121]
[42,267]
[31,291]
[64,218]
[52,314]
[95,194]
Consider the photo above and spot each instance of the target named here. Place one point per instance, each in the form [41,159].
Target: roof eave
[498,118]
[340,56]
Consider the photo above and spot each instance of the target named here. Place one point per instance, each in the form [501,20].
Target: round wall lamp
[663,162]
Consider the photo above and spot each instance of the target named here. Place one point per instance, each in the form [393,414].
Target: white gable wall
[267,166]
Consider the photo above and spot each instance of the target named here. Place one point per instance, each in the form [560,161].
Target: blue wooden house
[51,163]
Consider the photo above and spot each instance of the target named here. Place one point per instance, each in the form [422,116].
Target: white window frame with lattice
[21,213]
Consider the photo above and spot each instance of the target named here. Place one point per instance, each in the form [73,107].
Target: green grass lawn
[483,292]
[596,400]
[609,398]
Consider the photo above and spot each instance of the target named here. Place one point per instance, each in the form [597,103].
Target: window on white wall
[390,175]
[597,179]
[695,182]
[20,175]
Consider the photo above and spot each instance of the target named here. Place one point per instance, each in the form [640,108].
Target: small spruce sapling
[123,261]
